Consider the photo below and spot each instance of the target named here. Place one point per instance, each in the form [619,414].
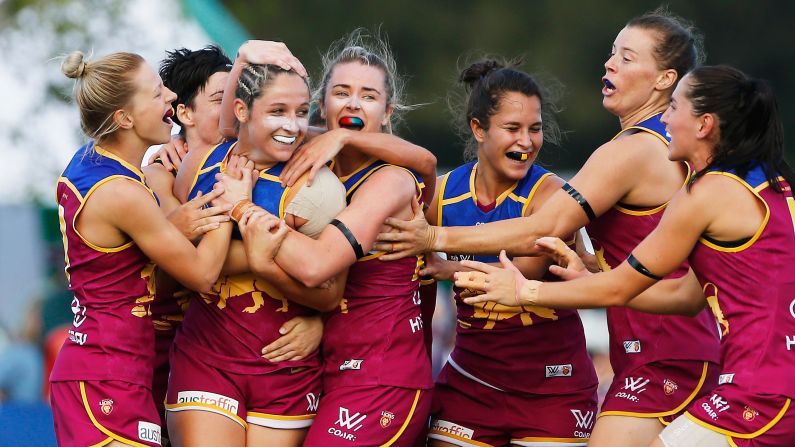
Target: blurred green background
[569,40]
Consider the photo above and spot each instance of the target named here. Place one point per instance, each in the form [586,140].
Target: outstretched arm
[686,218]
[608,175]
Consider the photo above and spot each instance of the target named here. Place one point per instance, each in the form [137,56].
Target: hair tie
[81,69]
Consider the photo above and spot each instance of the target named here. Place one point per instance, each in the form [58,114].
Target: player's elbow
[312,275]
[618,296]
[327,305]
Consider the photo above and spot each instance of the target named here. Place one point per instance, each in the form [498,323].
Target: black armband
[357,247]
[581,200]
[635,264]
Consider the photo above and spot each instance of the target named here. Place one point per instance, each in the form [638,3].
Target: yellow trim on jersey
[643,129]
[582,441]
[265,176]
[657,209]
[355,186]
[83,203]
[370,256]
[681,407]
[439,199]
[99,426]
[279,417]
[406,422]
[501,198]
[68,183]
[113,156]
[107,441]
[457,199]
[791,204]
[533,191]
[762,430]
[458,438]
[758,231]
[201,171]
[217,410]
[365,164]
[731,441]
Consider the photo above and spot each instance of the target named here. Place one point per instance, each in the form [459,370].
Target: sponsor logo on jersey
[349,424]
[636,384]
[632,346]
[583,420]
[77,337]
[79,313]
[725,378]
[312,401]
[351,365]
[790,342]
[386,418]
[451,428]
[669,386]
[148,431]
[558,370]
[632,385]
[106,406]
[749,414]
[715,405]
[203,397]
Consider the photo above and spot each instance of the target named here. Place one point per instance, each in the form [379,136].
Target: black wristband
[357,247]
[581,200]
[635,264]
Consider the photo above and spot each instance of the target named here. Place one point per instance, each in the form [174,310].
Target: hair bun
[479,70]
[73,65]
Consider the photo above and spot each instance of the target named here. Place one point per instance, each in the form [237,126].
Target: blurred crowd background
[565,42]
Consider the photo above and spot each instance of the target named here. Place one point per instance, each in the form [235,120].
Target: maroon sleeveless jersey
[376,336]
[111,336]
[229,326]
[494,343]
[637,337]
[750,286]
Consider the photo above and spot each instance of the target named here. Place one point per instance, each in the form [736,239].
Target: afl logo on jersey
[106,405]
[351,365]
[558,370]
[632,346]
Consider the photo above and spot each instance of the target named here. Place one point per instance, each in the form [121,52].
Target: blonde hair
[373,51]
[102,87]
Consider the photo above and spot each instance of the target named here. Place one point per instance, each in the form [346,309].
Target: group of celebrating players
[268,279]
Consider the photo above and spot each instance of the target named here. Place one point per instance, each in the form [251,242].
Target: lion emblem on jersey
[143,304]
[238,286]
[493,312]
[106,406]
[711,292]
[669,386]
[386,418]
[749,414]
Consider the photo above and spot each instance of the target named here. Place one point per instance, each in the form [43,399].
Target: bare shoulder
[121,192]
[393,176]
[548,186]
[158,177]
[640,147]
